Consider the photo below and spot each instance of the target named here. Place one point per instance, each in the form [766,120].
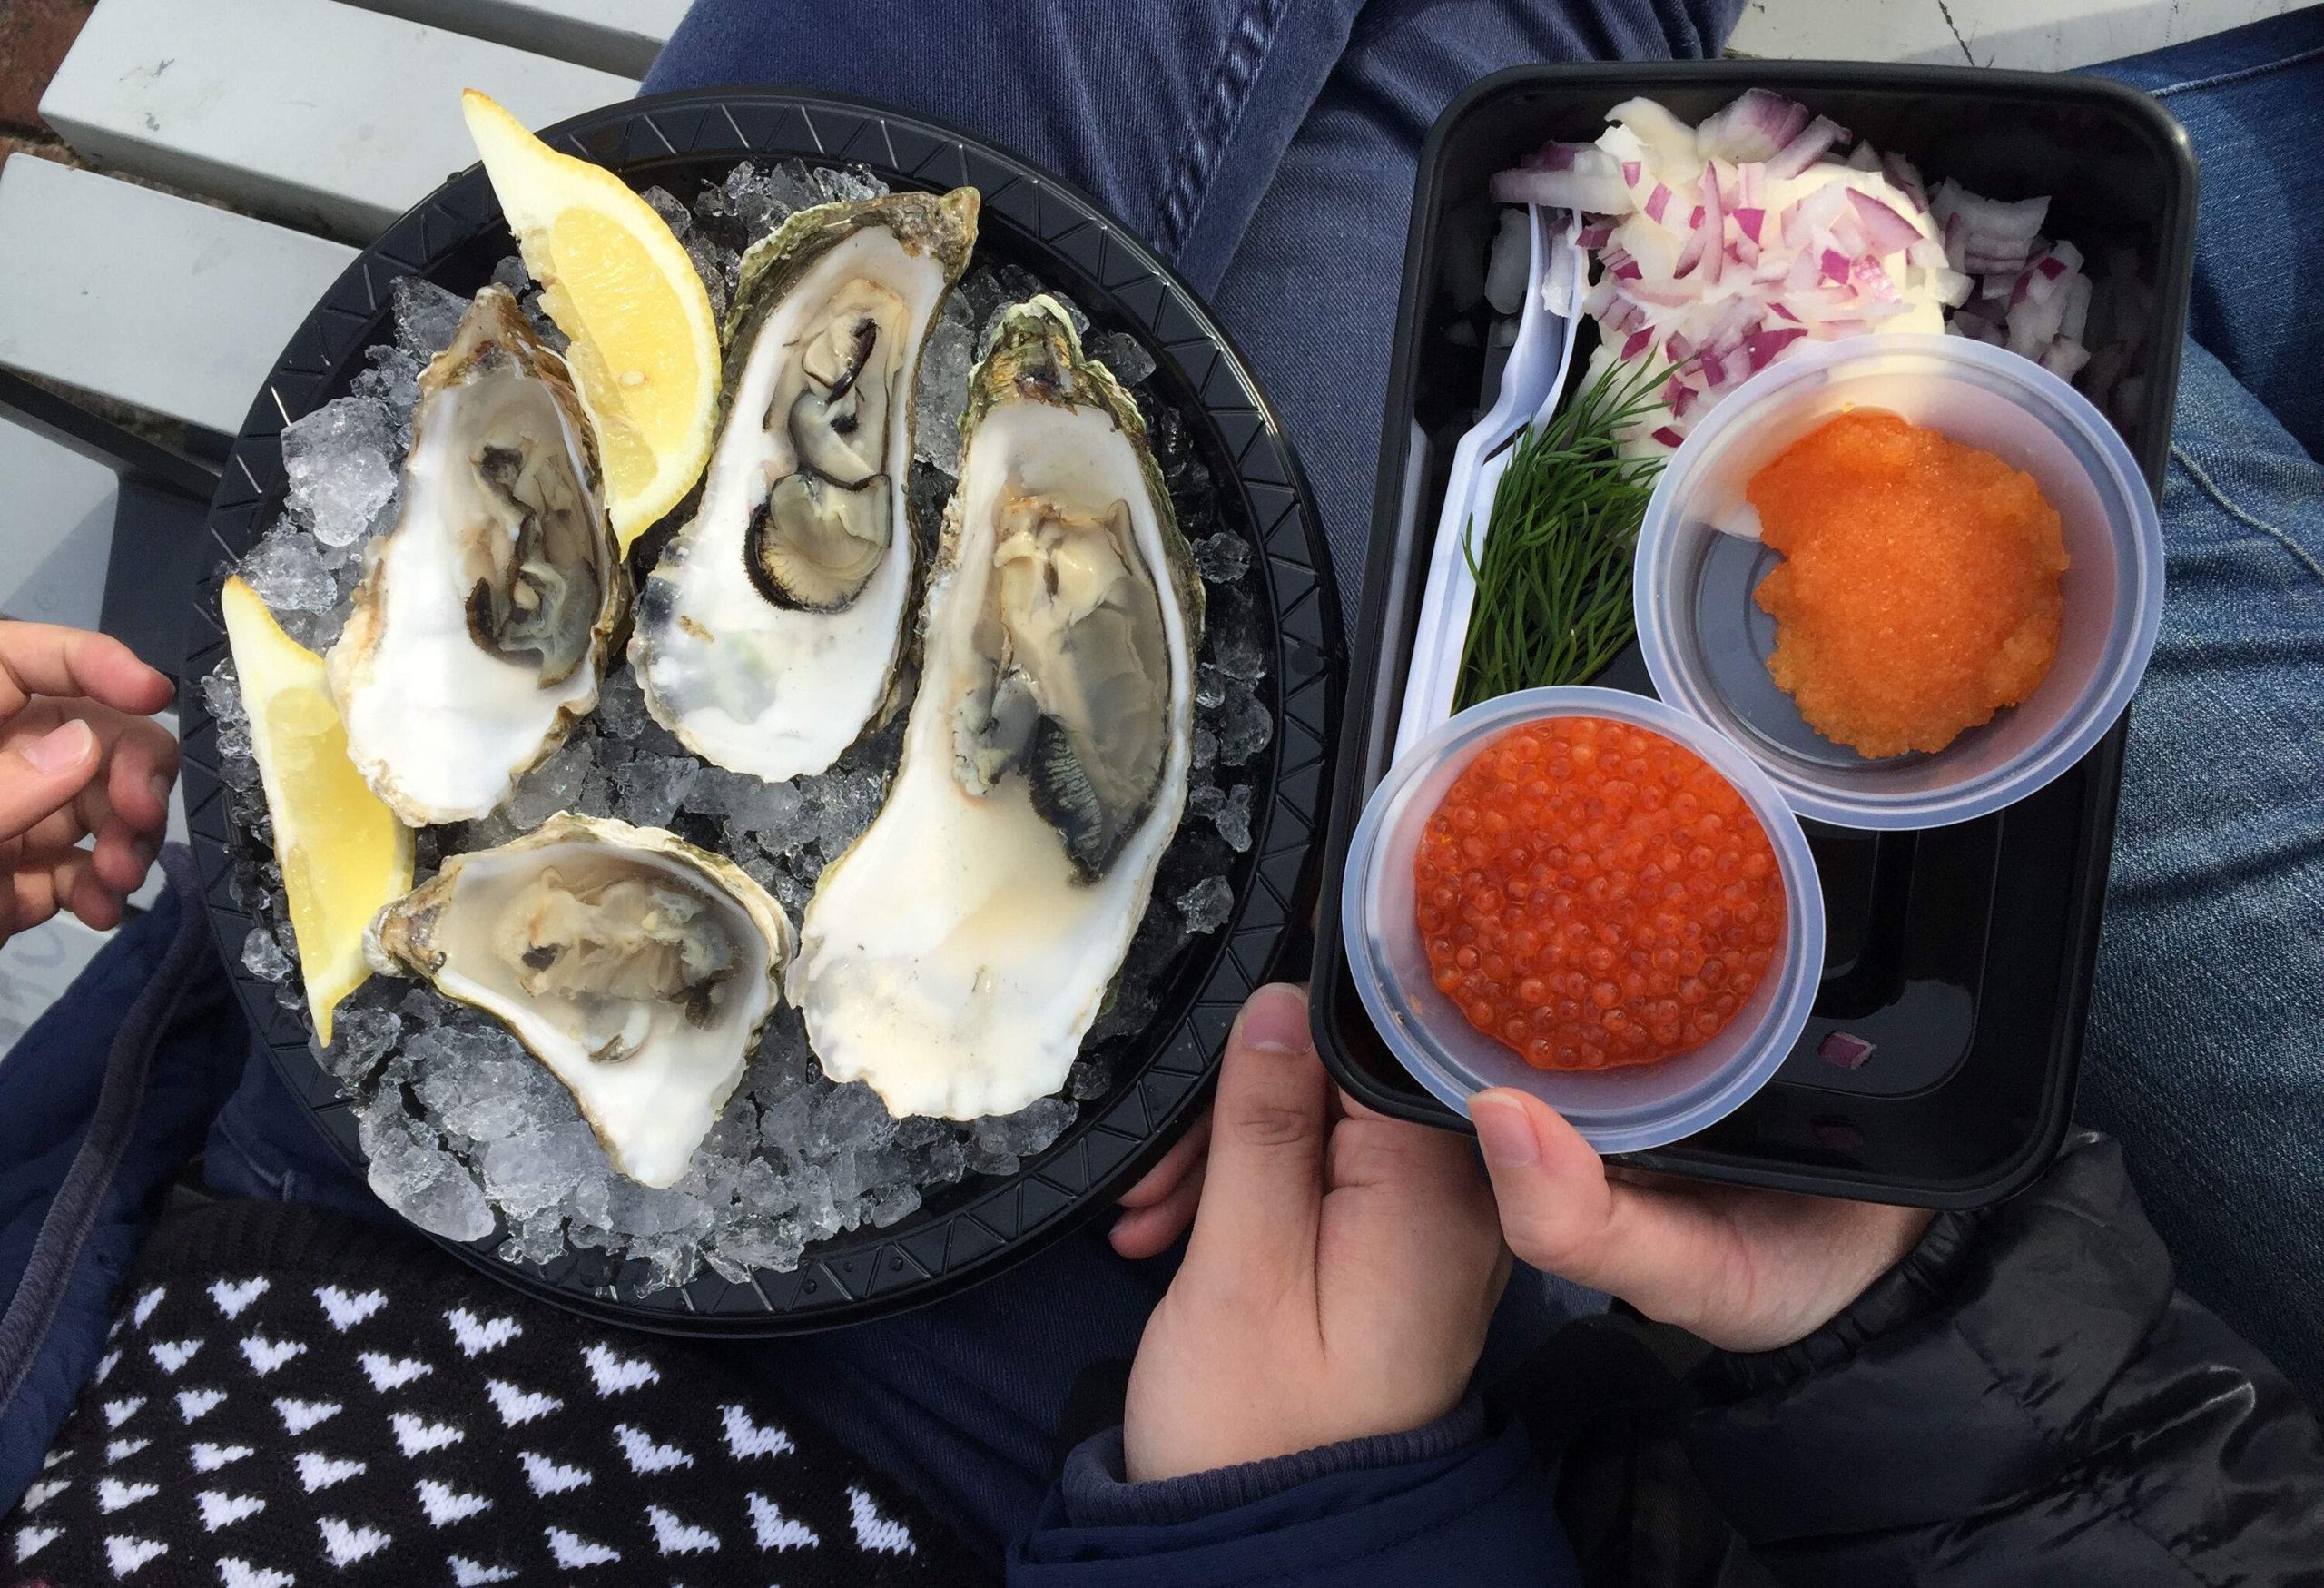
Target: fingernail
[160,784]
[1275,1021]
[60,749]
[1503,1132]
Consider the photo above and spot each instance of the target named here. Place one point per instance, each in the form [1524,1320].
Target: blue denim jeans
[1267,148]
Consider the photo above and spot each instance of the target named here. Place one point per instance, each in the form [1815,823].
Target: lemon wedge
[342,852]
[617,282]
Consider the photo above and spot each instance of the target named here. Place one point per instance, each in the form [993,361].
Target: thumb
[39,778]
[1264,1182]
[1660,1253]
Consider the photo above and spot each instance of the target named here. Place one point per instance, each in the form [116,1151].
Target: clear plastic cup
[1625,1110]
[1706,641]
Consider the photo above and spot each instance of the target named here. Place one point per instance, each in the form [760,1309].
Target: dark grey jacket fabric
[2025,1400]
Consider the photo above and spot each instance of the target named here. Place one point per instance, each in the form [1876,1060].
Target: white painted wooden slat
[309,111]
[55,530]
[613,35]
[153,299]
[2037,35]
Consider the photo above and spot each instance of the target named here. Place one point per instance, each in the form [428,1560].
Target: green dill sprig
[1553,586]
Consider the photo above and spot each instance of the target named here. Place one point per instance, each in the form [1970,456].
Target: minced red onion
[1704,264]
[1807,148]
[1754,127]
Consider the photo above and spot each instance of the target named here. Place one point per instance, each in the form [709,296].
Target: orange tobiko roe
[1919,591]
[1592,894]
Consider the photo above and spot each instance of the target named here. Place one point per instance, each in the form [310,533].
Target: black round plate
[968,1232]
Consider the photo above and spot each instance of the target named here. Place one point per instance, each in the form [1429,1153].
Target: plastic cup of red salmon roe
[1627,1108]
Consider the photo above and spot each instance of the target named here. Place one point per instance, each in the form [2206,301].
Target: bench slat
[309,112]
[611,35]
[148,299]
[2035,35]
[57,510]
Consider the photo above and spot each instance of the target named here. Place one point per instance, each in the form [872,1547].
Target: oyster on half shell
[486,617]
[955,955]
[638,968]
[768,637]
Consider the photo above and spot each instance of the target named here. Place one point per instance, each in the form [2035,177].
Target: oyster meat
[955,955]
[486,617]
[770,635]
[638,968]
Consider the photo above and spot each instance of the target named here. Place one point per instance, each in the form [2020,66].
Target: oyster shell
[955,955]
[638,968]
[486,615]
[769,635]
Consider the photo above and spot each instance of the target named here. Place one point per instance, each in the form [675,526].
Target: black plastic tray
[968,1232]
[1964,953]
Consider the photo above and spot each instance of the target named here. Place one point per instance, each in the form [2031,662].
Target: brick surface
[34,36]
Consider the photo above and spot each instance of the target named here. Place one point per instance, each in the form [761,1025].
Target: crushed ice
[463,1131]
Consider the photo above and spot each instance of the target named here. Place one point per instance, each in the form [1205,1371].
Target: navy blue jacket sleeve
[96,1112]
[1372,1513]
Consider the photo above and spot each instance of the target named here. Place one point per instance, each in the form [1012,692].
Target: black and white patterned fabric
[288,1398]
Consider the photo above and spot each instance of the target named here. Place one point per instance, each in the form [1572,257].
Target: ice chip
[552,786]
[427,315]
[848,184]
[263,957]
[1244,726]
[891,1203]
[392,380]
[710,264]
[679,219]
[621,706]
[286,571]
[1090,1078]
[221,694]
[509,272]
[1210,688]
[646,791]
[1233,818]
[1222,558]
[946,357]
[430,1188]
[534,1170]
[359,1039]
[750,804]
[1208,904]
[1030,1129]
[850,1115]
[538,1239]
[1125,355]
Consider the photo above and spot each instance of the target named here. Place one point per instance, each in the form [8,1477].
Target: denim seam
[2239,74]
[2299,553]
[1246,50]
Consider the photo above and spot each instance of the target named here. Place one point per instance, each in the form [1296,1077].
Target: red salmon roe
[1592,894]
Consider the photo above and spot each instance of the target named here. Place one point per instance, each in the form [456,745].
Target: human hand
[1160,1207]
[1745,1269]
[1340,1274]
[80,757]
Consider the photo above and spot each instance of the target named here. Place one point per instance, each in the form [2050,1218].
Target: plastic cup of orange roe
[1615,1085]
[1706,641]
